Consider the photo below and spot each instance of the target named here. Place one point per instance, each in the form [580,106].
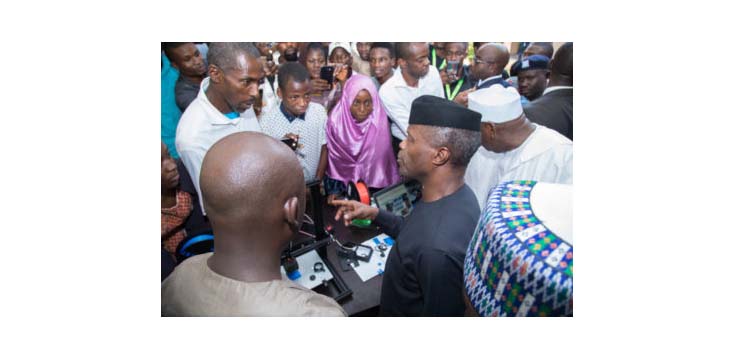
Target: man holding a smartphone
[300,120]
[455,75]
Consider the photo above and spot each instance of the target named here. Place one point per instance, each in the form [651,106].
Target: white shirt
[312,131]
[545,156]
[397,97]
[200,127]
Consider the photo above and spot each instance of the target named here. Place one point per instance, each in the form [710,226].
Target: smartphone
[327,73]
[290,143]
[452,69]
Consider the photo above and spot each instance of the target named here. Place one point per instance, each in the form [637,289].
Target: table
[365,295]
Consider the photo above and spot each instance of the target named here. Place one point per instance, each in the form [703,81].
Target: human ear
[489,129]
[291,213]
[441,156]
[401,63]
[215,74]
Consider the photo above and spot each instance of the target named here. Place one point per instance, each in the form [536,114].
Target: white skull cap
[497,104]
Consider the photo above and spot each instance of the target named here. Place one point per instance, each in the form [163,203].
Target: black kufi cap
[436,111]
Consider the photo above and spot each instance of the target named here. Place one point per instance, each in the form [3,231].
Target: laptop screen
[394,199]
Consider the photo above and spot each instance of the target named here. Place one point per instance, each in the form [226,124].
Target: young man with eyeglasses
[223,106]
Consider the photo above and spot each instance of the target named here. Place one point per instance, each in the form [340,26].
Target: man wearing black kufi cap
[423,274]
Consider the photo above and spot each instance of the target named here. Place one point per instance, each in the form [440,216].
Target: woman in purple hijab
[359,140]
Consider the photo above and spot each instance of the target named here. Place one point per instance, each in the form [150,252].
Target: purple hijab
[360,151]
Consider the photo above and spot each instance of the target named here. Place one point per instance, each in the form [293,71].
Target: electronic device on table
[398,199]
[305,260]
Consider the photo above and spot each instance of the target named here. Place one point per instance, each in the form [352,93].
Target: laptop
[394,199]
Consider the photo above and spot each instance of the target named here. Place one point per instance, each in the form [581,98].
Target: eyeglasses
[477,60]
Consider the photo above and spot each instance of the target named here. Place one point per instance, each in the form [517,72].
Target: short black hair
[402,50]
[168,47]
[314,46]
[224,55]
[547,46]
[292,71]
[462,143]
[563,63]
[385,45]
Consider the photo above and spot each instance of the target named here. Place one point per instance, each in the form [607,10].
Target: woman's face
[314,62]
[362,106]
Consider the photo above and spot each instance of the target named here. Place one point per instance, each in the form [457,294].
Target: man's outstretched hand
[351,209]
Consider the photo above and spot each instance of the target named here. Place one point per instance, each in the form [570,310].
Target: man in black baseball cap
[533,74]
[423,273]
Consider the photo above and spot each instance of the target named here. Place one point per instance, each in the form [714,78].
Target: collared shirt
[289,116]
[312,135]
[545,156]
[193,289]
[201,126]
[480,82]
[554,88]
[397,97]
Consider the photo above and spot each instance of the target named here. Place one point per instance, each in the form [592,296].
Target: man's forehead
[488,52]
[293,86]
[247,65]
[186,48]
[455,45]
[531,72]
[419,48]
[414,130]
[379,51]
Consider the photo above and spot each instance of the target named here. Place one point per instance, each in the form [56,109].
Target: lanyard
[433,60]
[452,94]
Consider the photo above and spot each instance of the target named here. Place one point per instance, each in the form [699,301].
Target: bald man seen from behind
[255,209]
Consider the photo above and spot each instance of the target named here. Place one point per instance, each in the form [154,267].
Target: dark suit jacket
[553,110]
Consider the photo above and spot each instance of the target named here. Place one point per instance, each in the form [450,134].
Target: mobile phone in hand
[290,143]
[327,73]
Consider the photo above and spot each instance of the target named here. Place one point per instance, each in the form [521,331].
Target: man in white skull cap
[513,148]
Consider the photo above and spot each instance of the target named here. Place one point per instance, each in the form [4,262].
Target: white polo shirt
[397,97]
[201,126]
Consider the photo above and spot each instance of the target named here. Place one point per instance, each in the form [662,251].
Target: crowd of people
[246,125]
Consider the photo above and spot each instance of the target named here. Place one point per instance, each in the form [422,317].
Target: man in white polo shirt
[414,77]
[223,105]
[513,148]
